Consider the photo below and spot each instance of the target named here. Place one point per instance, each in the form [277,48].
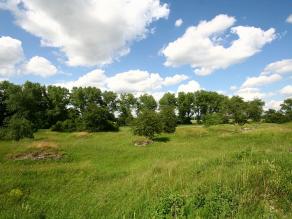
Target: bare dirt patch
[82,134]
[40,154]
[44,144]
[142,142]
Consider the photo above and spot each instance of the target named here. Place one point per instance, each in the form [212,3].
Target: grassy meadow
[223,171]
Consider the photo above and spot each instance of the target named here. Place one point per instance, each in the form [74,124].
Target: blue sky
[52,34]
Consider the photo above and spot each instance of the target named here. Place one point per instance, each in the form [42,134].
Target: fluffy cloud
[178,22]
[88,32]
[95,78]
[134,81]
[173,80]
[279,67]
[287,90]
[273,104]
[11,53]
[250,93]
[40,66]
[289,19]
[191,86]
[261,80]
[202,46]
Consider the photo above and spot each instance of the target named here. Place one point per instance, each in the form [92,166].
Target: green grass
[217,172]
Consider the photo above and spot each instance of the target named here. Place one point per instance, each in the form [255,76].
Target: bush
[273,116]
[68,125]
[97,119]
[17,128]
[168,119]
[213,119]
[172,205]
[147,124]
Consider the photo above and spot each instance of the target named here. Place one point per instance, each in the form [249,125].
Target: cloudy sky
[236,47]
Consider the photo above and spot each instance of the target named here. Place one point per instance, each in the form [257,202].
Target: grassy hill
[221,171]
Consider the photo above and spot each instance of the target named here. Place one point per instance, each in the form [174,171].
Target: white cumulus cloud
[178,22]
[261,80]
[133,81]
[173,80]
[287,90]
[280,67]
[89,32]
[191,86]
[249,93]
[201,46]
[11,54]
[273,104]
[40,66]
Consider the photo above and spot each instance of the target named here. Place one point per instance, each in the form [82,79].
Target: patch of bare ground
[44,144]
[142,142]
[39,154]
[82,134]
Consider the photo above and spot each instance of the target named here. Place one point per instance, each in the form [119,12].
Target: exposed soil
[82,134]
[42,154]
[44,144]
[142,142]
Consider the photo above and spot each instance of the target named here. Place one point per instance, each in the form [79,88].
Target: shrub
[168,119]
[172,205]
[17,128]
[147,124]
[68,125]
[213,119]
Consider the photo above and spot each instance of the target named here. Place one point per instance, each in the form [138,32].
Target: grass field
[218,172]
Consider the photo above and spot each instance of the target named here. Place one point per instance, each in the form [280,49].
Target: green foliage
[171,206]
[255,110]
[207,102]
[168,100]
[68,125]
[185,104]
[16,194]
[126,105]
[168,119]
[97,119]
[17,128]
[146,102]
[213,119]
[238,110]
[273,116]
[147,124]
[286,108]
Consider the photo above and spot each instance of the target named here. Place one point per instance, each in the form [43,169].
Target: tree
[97,118]
[16,129]
[168,100]
[146,102]
[168,119]
[147,124]
[213,119]
[126,105]
[81,98]
[238,110]
[59,100]
[29,101]
[273,116]
[286,108]
[185,105]
[255,110]
[208,102]
[110,100]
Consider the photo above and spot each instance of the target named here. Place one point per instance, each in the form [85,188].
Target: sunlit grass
[103,175]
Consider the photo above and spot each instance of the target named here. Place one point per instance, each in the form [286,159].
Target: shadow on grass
[161,139]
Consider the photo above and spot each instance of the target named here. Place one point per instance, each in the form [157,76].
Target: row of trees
[31,106]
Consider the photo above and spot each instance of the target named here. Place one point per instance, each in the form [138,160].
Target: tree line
[26,108]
